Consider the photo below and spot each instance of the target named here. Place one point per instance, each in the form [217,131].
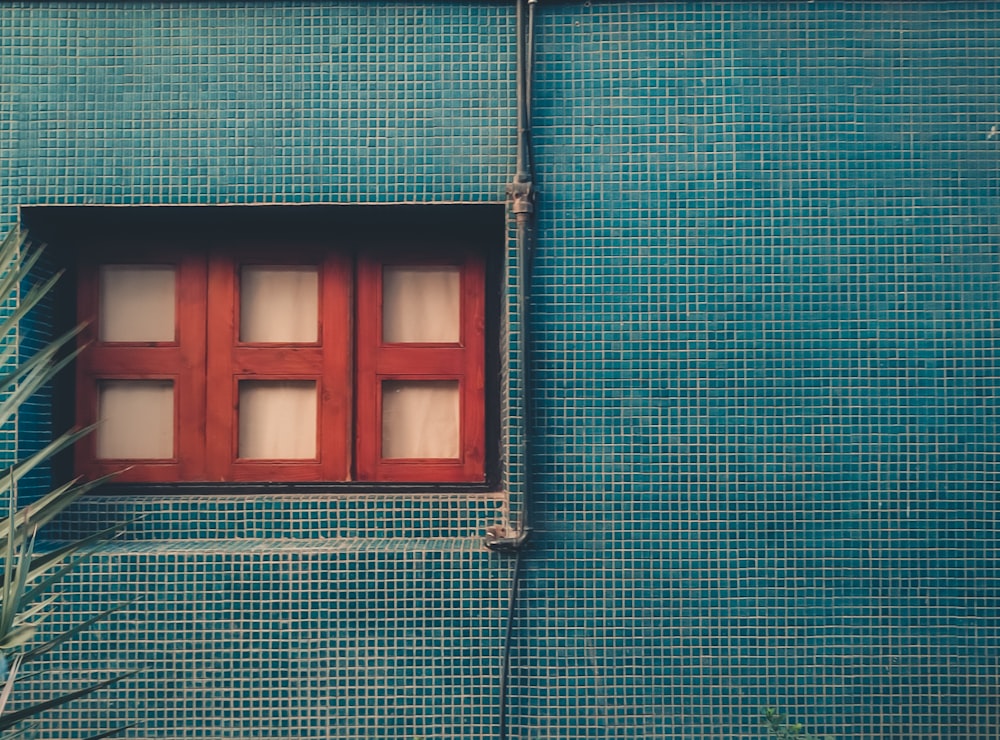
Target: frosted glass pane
[421,304]
[279,304]
[137,303]
[420,418]
[277,420]
[137,420]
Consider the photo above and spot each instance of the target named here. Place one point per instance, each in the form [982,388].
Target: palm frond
[35,609]
[111,733]
[26,577]
[9,720]
[18,636]
[72,632]
[8,685]
[62,559]
[51,504]
[28,301]
[42,359]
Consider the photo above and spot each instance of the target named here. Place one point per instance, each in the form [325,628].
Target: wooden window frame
[146,361]
[462,361]
[325,362]
[348,363]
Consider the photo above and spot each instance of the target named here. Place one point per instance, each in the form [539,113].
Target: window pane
[137,420]
[279,304]
[277,420]
[421,304]
[420,419]
[137,303]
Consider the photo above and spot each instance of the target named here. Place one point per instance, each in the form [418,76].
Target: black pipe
[521,194]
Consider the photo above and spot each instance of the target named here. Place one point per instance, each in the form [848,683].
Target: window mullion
[220,332]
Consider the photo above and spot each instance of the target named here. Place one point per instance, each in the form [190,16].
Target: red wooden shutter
[180,362]
[458,362]
[326,363]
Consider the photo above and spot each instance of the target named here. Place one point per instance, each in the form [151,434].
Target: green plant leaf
[85,548]
[31,611]
[17,260]
[11,244]
[9,720]
[24,576]
[8,686]
[16,568]
[27,303]
[54,503]
[21,731]
[111,733]
[41,360]
[75,630]
[31,383]
[14,254]
[11,545]
[17,636]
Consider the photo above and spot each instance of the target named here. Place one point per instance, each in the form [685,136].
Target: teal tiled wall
[769,251]
[341,615]
[766,306]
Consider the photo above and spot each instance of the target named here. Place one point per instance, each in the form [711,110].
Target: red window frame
[325,362]
[348,363]
[172,361]
[379,361]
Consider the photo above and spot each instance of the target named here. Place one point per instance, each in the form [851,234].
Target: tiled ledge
[273,546]
[293,517]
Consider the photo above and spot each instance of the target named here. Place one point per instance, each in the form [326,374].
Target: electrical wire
[521,191]
[515,578]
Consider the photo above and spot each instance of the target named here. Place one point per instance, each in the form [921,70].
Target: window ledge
[289,545]
[239,489]
[383,514]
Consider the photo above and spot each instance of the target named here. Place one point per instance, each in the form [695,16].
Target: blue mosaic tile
[765,314]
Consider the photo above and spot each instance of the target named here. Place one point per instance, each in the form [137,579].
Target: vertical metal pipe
[529,76]
[525,235]
[521,194]
[521,174]
[522,204]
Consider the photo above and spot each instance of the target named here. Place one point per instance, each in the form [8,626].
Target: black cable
[507,639]
[529,76]
[521,192]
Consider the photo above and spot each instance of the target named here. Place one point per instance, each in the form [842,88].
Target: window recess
[283,363]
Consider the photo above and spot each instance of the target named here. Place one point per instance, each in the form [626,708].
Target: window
[282,362]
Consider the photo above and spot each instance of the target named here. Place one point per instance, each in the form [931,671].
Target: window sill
[294,488]
[320,512]
[292,546]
